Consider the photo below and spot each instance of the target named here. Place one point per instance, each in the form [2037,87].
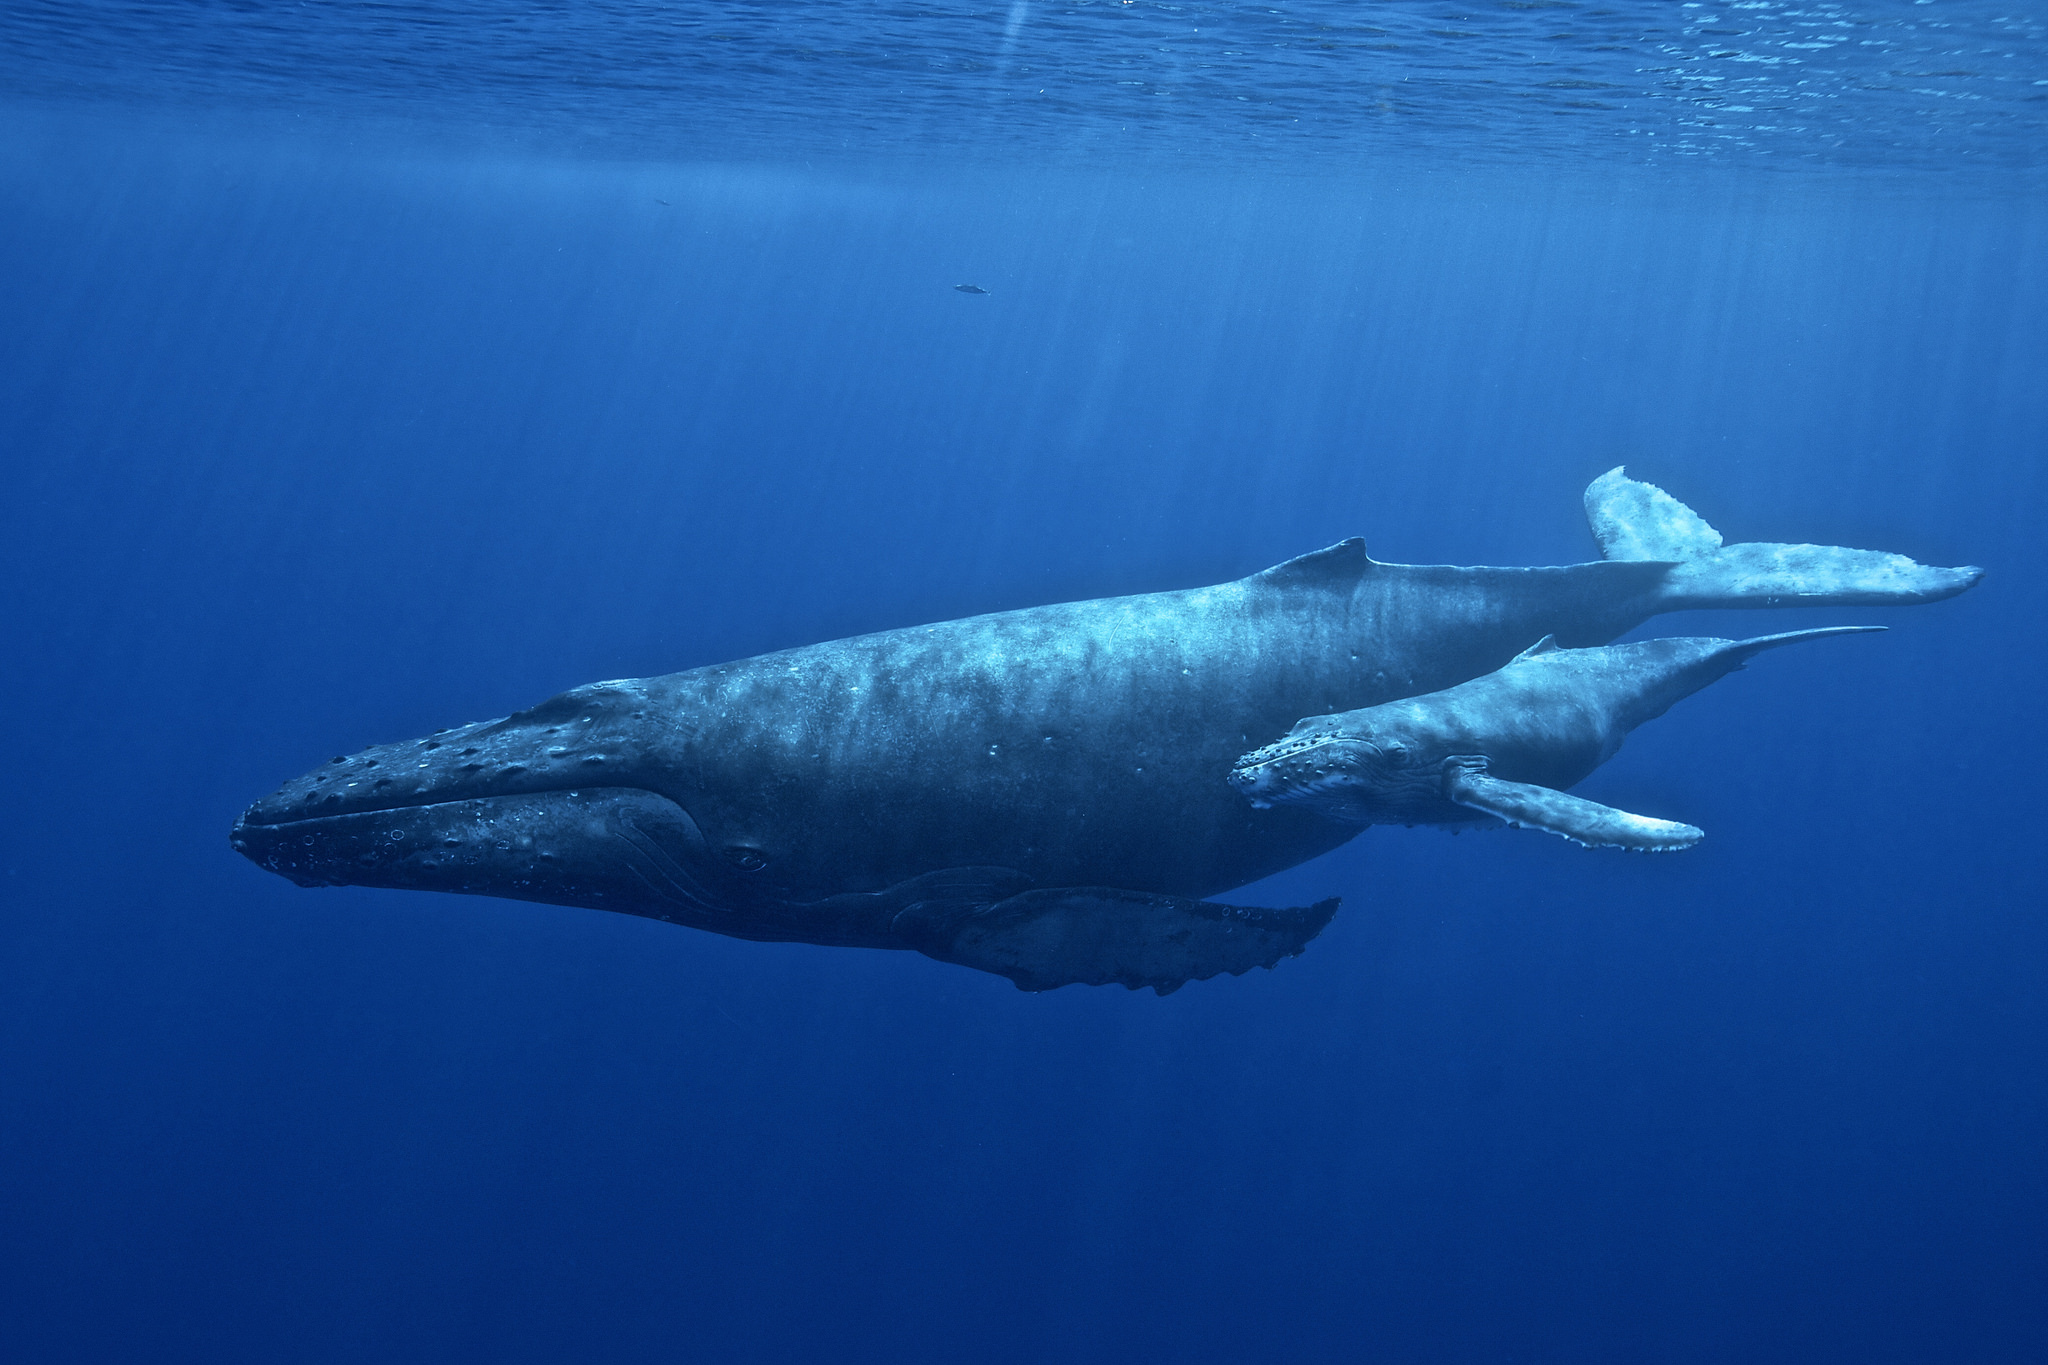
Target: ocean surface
[370,368]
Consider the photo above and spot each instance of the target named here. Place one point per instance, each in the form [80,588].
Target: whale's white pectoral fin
[1467,782]
[1640,521]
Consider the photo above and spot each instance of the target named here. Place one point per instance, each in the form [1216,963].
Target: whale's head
[572,802]
[1355,767]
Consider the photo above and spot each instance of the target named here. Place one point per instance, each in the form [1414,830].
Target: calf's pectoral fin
[1467,782]
[1098,935]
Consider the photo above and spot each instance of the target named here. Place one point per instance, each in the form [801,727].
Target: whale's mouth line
[249,820]
[606,847]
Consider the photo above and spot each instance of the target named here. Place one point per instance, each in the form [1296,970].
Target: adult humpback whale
[1041,793]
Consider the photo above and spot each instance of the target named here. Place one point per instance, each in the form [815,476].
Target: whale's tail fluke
[1639,521]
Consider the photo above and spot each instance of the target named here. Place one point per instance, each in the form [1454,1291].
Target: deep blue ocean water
[370,368]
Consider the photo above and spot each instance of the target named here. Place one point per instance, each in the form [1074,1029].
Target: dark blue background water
[322,431]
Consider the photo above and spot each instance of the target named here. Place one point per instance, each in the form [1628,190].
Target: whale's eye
[746,859]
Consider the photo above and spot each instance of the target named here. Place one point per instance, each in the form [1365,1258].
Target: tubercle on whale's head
[602,734]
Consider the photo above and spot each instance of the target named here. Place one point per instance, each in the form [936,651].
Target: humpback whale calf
[1501,747]
[1043,794]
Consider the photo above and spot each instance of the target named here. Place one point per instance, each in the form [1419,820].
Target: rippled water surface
[1926,83]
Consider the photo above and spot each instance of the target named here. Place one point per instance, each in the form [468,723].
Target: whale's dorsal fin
[1467,782]
[1342,562]
[1547,645]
